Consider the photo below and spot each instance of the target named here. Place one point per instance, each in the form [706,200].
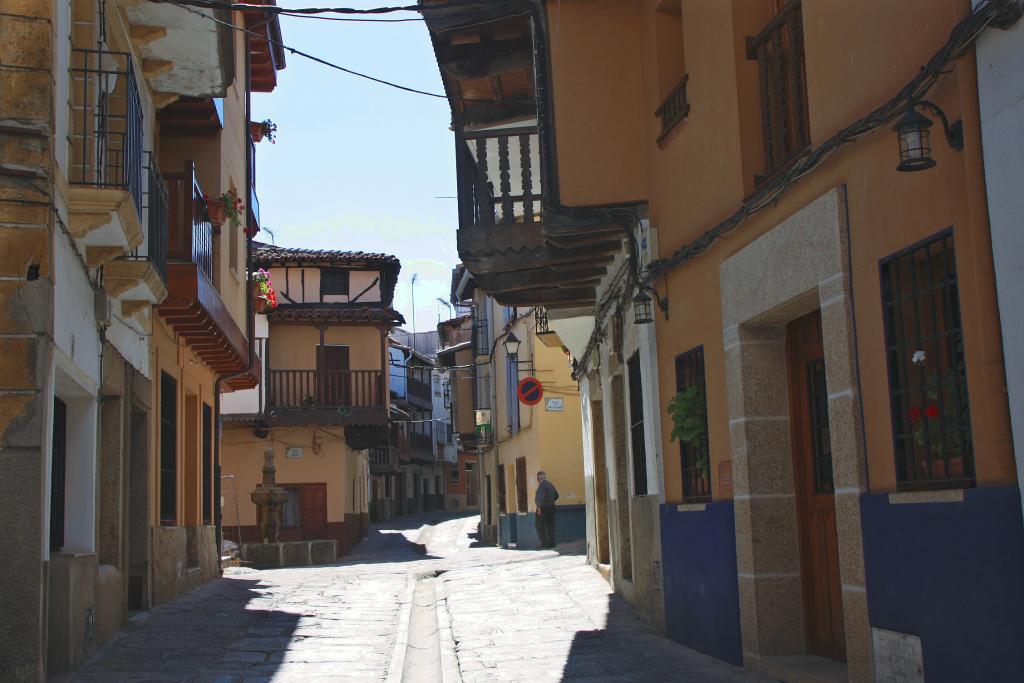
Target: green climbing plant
[689,423]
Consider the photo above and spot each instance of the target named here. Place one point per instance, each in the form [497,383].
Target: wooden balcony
[193,307]
[421,447]
[338,397]
[520,253]
[383,460]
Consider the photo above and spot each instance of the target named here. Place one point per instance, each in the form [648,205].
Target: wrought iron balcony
[157,219]
[106,123]
[190,233]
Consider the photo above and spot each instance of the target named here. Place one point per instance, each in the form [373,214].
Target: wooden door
[502,500]
[471,483]
[522,495]
[815,497]
[313,511]
[332,371]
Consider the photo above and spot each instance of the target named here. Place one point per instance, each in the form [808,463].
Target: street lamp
[914,137]
[512,346]
[642,313]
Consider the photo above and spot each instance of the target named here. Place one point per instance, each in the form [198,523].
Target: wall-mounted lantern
[914,137]
[512,346]
[643,312]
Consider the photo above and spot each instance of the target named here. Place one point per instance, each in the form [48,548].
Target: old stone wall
[26,328]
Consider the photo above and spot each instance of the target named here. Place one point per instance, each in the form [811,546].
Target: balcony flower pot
[259,304]
[256,131]
[216,210]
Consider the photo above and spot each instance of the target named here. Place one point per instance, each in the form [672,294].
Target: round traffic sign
[530,391]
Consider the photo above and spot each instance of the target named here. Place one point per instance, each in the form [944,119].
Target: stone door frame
[800,265]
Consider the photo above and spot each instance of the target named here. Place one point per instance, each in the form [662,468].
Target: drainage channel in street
[426,653]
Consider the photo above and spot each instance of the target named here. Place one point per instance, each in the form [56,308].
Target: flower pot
[260,304]
[215,210]
[256,131]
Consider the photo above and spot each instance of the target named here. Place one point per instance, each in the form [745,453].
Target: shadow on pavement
[208,634]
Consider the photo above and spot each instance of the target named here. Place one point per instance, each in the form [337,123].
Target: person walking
[545,499]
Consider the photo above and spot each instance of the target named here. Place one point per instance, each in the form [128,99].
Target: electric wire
[189,6]
[1001,13]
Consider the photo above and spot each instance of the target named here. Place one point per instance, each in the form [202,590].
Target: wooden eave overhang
[266,52]
[189,116]
[196,313]
[485,56]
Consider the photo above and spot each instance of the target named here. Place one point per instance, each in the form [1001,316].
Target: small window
[931,419]
[694,454]
[333,281]
[455,474]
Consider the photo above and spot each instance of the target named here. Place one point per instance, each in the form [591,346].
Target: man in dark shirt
[545,499]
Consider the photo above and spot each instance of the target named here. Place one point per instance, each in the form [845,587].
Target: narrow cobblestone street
[415,601]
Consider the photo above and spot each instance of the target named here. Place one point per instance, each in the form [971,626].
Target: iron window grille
[674,109]
[540,317]
[927,367]
[481,337]
[779,51]
[821,439]
[106,125]
[636,427]
[695,458]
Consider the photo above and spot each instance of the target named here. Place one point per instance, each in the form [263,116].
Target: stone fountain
[270,551]
[269,499]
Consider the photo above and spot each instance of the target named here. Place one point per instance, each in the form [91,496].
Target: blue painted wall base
[953,574]
[702,604]
[570,525]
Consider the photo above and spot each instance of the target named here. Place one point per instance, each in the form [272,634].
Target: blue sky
[357,165]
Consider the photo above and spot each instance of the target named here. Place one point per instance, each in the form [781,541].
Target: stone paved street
[415,601]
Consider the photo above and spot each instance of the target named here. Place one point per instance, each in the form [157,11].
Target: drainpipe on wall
[250,322]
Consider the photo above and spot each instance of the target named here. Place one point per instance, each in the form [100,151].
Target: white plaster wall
[74,327]
[290,284]
[1000,60]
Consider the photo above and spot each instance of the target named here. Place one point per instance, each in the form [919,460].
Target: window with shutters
[168,450]
[779,51]
[333,281]
[636,426]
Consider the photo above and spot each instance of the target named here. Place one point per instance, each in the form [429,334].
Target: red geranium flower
[931,412]
[914,414]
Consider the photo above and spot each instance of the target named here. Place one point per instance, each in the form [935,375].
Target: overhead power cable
[189,6]
[485,5]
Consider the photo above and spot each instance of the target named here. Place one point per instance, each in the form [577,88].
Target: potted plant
[263,129]
[264,296]
[224,206]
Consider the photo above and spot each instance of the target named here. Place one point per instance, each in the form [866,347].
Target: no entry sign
[530,391]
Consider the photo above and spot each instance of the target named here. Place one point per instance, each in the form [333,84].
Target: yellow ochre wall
[857,55]
[550,441]
[194,379]
[335,464]
[293,347]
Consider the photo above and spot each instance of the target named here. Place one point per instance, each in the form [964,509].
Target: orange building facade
[827,447]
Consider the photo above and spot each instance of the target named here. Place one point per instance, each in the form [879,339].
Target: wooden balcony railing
[421,445]
[317,389]
[779,51]
[190,232]
[499,177]
[419,389]
[380,457]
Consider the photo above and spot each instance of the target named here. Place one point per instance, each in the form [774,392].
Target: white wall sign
[293,452]
[554,404]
